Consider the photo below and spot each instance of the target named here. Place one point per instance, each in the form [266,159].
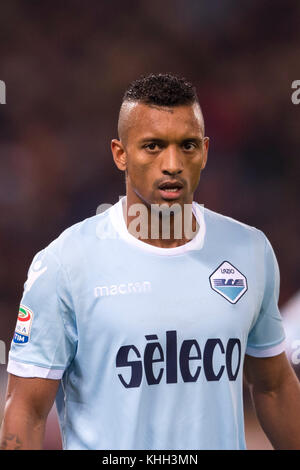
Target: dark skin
[158,144]
[28,402]
[275,391]
[168,132]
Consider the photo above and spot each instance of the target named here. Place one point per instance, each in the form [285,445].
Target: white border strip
[23,369]
[267,352]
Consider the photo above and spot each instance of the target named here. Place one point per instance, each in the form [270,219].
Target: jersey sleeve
[45,338]
[267,336]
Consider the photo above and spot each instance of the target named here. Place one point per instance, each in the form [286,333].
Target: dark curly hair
[163,89]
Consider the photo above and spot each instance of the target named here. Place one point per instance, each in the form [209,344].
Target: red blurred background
[66,66]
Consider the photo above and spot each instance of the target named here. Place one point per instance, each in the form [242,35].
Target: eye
[151,146]
[189,145]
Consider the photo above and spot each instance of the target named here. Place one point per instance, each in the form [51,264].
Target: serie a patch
[23,326]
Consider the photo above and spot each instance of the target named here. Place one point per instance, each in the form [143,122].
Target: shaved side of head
[128,117]
[162,91]
[126,120]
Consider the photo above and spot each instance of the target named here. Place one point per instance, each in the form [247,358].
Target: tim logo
[2,92]
[229,282]
[23,326]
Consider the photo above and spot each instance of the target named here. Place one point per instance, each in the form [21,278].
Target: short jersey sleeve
[267,337]
[45,338]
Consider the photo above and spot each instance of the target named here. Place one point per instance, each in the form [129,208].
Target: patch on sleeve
[23,326]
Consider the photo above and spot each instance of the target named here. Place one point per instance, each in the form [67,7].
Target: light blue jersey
[149,342]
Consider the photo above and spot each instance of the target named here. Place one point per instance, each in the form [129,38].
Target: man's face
[164,151]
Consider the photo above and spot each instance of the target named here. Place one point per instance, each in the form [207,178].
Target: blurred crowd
[66,66]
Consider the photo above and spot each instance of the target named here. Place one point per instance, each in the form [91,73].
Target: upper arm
[267,336]
[32,395]
[45,339]
[269,373]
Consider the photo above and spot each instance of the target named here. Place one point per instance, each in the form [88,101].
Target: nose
[171,162]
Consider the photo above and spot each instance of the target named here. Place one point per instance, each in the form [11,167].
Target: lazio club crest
[229,282]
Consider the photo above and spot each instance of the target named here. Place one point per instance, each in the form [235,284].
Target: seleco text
[175,364]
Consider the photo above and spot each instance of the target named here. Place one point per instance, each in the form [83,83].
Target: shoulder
[225,229]
[74,240]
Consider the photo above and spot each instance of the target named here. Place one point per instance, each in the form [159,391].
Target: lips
[173,185]
[170,189]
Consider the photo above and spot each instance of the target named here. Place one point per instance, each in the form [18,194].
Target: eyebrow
[163,141]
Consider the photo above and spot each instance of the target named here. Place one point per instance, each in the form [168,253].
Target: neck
[163,226]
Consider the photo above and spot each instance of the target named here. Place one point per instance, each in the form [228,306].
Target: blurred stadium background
[66,65]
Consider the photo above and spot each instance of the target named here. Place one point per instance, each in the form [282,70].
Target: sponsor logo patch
[23,326]
[229,282]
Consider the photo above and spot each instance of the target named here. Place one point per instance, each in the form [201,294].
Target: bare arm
[275,391]
[28,402]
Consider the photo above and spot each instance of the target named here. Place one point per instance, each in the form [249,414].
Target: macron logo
[142,287]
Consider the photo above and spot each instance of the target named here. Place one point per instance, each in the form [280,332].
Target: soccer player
[142,335]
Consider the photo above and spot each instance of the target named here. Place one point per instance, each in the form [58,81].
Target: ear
[205,151]
[119,154]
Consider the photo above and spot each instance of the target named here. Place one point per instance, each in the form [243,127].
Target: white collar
[117,218]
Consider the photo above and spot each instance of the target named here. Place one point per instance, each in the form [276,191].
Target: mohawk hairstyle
[161,90]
